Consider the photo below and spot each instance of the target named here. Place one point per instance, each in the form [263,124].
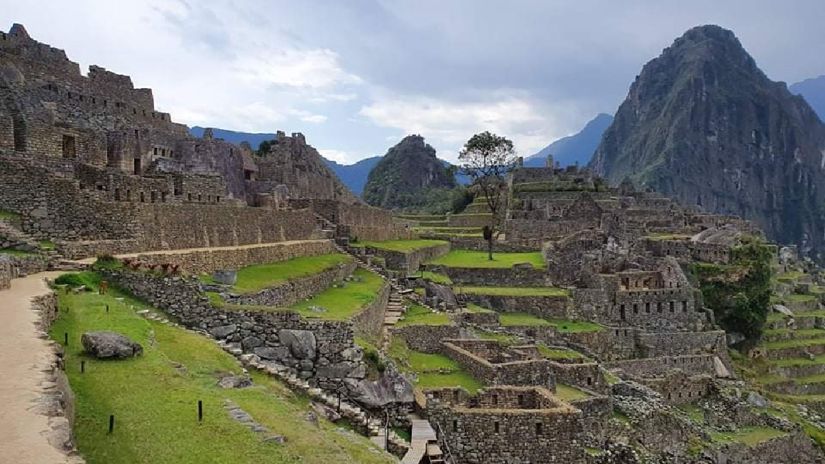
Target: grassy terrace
[664,236]
[749,436]
[420,315]
[339,303]
[432,370]
[521,320]
[560,353]
[403,246]
[343,302]
[799,298]
[794,343]
[791,276]
[513,291]
[9,215]
[437,278]
[479,259]
[258,277]
[569,393]
[154,399]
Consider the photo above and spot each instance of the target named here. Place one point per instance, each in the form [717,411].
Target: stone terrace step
[788,334]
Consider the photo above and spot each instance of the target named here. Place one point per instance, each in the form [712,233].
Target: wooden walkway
[422,434]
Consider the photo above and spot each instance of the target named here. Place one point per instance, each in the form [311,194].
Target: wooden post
[111,423]
[200,411]
[65,338]
[82,366]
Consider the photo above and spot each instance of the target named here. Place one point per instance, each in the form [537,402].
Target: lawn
[154,399]
[521,320]
[343,301]
[437,278]
[799,298]
[560,353]
[9,215]
[749,436]
[790,276]
[13,252]
[474,308]
[513,291]
[420,315]
[403,246]
[479,259]
[794,343]
[258,277]
[432,370]
[569,393]
[568,326]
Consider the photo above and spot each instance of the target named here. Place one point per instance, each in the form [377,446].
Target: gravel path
[24,432]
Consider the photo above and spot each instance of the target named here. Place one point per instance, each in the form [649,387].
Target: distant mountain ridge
[574,149]
[704,125]
[813,90]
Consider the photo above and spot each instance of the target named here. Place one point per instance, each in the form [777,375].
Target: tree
[487,159]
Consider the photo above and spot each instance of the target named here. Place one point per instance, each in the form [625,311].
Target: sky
[356,76]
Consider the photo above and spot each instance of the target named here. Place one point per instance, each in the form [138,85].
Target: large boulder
[106,345]
[301,343]
[392,387]
[442,293]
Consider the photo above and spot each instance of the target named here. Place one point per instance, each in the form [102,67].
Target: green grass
[796,362]
[799,298]
[437,278]
[343,302]
[790,276]
[46,245]
[474,308]
[664,236]
[560,353]
[258,277]
[449,230]
[154,399]
[432,370]
[750,436]
[513,291]
[569,393]
[420,315]
[9,215]
[13,252]
[521,319]
[501,338]
[695,413]
[403,246]
[780,344]
[479,259]
[569,326]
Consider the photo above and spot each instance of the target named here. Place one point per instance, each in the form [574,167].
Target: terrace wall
[547,307]
[211,260]
[297,289]
[409,262]
[516,276]
[323,352]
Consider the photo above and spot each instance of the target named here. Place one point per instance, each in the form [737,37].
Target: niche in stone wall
[69,146]
[137,166]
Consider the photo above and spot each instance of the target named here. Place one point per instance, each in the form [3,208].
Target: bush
[79,279]
[107,262]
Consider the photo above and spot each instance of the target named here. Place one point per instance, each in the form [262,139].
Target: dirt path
[191,250]
[24,432]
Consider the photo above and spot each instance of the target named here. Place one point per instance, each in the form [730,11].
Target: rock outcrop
[106,345]
[704,125]
[405,174]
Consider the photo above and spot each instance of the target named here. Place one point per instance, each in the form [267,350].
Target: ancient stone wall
[370,321]
[296,289]
[678,388]
[471,355]
[482,435]
[211,260]
[427,338]
[409,261]
[321,351]
[356,220]
[516,276]
[548,307]
[7,272]
[479,244]
[653,367]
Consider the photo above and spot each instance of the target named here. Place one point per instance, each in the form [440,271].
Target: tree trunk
[490,248]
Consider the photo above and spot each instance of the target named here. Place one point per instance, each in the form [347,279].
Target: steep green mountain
[813,90]
[408,176]
[574,149]
[703,124]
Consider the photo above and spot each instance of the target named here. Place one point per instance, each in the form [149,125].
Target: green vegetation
[258,277]
[420,315]
[13,252]
[560,353]
[695,413]
[501,338]
[474,308]
[6,215]
[794,343]
[569,393]
[437,278]
[799,298]
[345,300]
[479,259]
[739,292]
[790,276]
[570,326]
[107,262]
[403,246]
[513,291]
[521,319]
[663,236]
[749,436]
[431,370]
[46,245]
[154,398]
[90,280]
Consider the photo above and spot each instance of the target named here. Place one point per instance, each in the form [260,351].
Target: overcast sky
[355,76]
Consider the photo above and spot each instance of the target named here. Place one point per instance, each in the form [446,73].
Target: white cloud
[338,156]
[313,69]
[447,124]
